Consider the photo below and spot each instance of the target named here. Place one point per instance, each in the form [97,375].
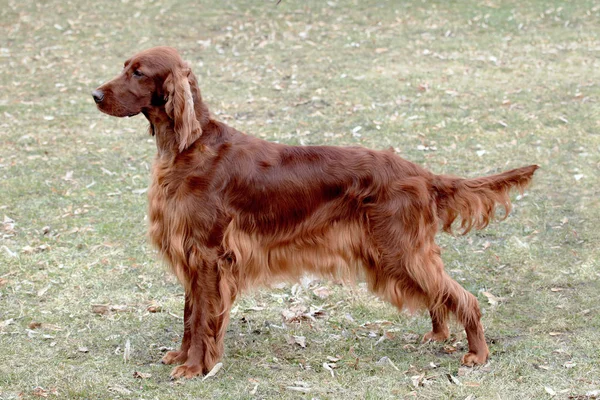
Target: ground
[462,87]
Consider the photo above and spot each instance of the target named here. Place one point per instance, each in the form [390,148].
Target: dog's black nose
[98,96]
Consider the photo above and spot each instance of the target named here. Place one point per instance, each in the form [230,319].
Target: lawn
[462,87]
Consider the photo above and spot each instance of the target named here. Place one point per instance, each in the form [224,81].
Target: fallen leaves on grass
[213,371]
[43,291]
[154,308]
[299,340]
[6,323]
[127,351]
[448,349]
[299,312]
[41,392]
[385,360]
[299,387]
[37,249]
[119,390]
[322,292]
[106,308]
[9,252]
[141,375]
[329,367]
[420,380]
[493,300]
[453,379]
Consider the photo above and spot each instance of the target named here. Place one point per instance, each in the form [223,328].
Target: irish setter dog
[229,211]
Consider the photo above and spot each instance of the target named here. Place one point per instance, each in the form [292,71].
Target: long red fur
[230,211]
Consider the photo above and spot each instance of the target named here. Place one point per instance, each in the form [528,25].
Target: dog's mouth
[117,113]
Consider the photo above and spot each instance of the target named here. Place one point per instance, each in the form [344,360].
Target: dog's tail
[475,200]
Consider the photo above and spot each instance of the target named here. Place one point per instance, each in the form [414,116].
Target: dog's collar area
[158,100]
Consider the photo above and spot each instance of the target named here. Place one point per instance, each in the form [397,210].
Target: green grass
[462,87]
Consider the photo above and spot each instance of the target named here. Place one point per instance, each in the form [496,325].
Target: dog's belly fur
[336,252]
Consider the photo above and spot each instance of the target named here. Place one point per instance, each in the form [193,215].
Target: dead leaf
[100,309]
[493,300]
[293,314]
[3,281]
[9,252]
[40,392]
[328,368]
[119,390]
[417,380]
[256,308]
[322,292]
[154,308]
[254,389]
[34,325]
[6,323]
[386,360]
[300,341]
[298,389]
[106,308]
[43,291]
[127,351]
[141,375]
[300,312]
[213,371]
[448,349]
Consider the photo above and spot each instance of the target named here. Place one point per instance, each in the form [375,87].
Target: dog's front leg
[210,304]
[180,356]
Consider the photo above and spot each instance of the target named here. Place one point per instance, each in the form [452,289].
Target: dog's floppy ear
[180,107]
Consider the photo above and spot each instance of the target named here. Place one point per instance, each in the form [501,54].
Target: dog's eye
[137,73]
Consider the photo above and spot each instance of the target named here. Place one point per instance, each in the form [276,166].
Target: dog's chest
[156,214]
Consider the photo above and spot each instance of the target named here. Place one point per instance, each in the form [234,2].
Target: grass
[462,87]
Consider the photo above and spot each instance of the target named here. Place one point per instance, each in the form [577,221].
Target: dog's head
[154,81]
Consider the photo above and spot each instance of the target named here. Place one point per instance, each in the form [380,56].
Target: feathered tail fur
[475,200]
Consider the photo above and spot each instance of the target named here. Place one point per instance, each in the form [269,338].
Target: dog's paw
[186,371]
[174,357]
[471,359]
[435,337]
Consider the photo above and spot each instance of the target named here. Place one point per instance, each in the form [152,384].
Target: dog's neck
[163,127]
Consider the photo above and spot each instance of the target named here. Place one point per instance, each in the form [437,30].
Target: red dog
[229,211]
